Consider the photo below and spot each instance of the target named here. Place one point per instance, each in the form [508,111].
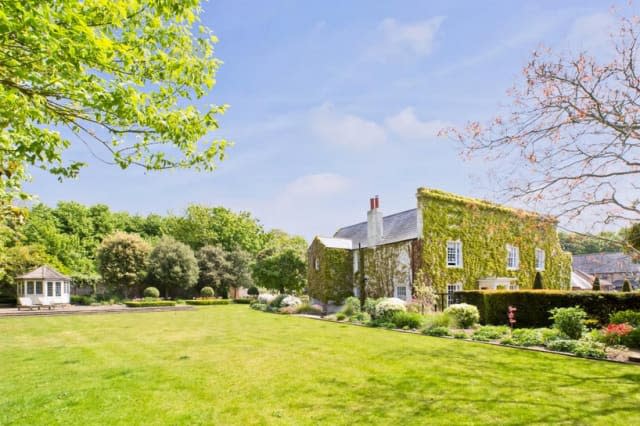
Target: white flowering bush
[385,308]
[463,314]
[291,301]
[266,298]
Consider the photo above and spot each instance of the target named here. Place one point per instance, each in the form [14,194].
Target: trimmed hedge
[208,302]
[534,306]
[243,301]
[150,303]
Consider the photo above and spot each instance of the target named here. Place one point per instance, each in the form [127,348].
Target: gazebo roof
[44,273]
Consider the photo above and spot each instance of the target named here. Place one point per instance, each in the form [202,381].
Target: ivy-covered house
[458,243]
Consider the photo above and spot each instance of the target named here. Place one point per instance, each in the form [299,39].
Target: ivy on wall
[334,280]
[384,268]
[484,230]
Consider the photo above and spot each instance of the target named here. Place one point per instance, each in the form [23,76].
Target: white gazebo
[44,285]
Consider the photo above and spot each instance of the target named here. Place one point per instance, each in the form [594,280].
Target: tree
[572,137]
[605,241]
[172,265]
[537,281]
[626,286]
[284,272]
[120,76]
[596,284]
[122,261]
[215,269]
[217,226]
[240,270]
[632,240]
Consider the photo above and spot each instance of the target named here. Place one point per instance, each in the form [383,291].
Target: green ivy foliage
[485,229]
[334,280]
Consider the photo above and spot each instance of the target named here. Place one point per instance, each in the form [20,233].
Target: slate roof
[605,263]
[584,281]
[341,243]
[44,273]
[395,227]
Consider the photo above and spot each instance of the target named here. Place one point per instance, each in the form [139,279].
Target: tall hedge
[534,306]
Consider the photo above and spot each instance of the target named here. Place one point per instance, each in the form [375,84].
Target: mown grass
[232,365]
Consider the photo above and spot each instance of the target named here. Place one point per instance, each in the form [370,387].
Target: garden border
[526,348]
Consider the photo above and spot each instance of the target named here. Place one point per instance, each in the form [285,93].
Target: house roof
[341,243]
[605,263]
[44,273]
[395,227]
[584,281]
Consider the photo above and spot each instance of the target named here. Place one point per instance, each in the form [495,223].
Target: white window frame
[513,253]
[451,289]
[58,289]
[514,287]
[316,263]
[31,286]
[540,259]
[49,288]
[356,262]
[456,246]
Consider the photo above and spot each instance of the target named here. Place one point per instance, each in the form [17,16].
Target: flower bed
[149,303]
[200,302]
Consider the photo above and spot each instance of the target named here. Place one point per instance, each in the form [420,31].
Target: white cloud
[348,130]
[415,39]
[314,185]
[407,125]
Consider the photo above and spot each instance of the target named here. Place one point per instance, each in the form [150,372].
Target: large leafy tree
[119,76]
[202,225]
[215,269]
[172,266]
[122,261]
[284,272]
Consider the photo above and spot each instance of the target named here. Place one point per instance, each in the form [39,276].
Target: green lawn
[232,365]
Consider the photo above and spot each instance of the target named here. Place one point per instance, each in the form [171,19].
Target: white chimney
[374,223]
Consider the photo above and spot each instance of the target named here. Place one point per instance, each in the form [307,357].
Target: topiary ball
[253,291]
[151,292]
[206,292]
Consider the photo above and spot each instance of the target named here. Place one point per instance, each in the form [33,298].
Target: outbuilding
[44,286]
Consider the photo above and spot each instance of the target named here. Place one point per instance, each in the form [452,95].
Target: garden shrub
[460,335]
[632,340]
[569,321]
[151,292]
[589,349]
[562,345]
[276,301]
[436,331]
[82,300]
[253,291]
[550,334]
[626,286]
[307,309]
[243,301]
[463,314]
[614,334]
[361,317]
[149,303]
[527,337]
[340,316]
[533,305]
[630,317]
[411,320]
[290,301]
[386,307]
[490,332]
[266,298]
[437,319]
[289,310]
[259,306]
[370,306]
[202,302]
[351,306]
[206,292]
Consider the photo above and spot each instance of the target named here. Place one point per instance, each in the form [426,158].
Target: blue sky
[336,101]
